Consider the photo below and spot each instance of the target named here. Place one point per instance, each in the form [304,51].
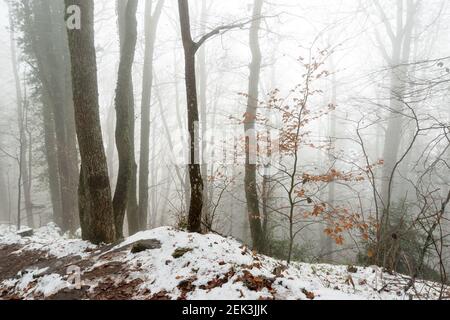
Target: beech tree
[95,203]
[190,49]
[251,191]
[125,121]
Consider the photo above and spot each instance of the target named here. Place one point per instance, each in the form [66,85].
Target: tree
[131,206]
[151,24]
[195,176]
[4,212]
[95,205]
[190,49]
[400,41]
[24,179]
[124,117]
[45,45]
[251,191]
[400,38]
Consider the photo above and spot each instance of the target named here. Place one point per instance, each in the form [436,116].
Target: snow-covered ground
[181,266]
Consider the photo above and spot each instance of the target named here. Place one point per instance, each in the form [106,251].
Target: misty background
[384,91]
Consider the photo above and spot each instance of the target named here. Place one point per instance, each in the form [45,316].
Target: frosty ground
[166,263]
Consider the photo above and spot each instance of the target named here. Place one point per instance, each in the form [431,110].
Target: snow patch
[209,267]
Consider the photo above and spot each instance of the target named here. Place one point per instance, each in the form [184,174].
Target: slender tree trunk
[251,192]
[154,179]
[401,40]
[3,196]
[110,148]
[28,170]
[132,205]
[203,80]
[195,176]
[401,48]
[151,23]
[52,161]
[95,205]
[24,180]
[124,116]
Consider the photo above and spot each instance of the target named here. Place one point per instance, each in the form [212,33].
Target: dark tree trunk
[95,205]
[124,116]
[195,176]
[251,192]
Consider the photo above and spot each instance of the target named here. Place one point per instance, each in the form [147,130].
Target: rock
[179,252]
[278,270]
[352,269]
[143,245]
[27,232]
[310,295]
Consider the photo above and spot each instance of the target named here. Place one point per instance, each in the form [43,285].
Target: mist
[310,131]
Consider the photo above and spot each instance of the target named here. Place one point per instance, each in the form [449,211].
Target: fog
[349,130]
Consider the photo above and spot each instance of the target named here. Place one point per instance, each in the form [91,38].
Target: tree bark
[195,176]
[251,192]
[95,205]
[52,161]
[124,116]
[3,197]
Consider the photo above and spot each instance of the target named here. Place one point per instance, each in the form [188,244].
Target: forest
[225,150]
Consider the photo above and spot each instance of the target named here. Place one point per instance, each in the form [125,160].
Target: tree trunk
[203,80]
[52,161]
[401,45]
[151,23]
[124,107]
[24,180]
[110,147]
[251,192]
[3,197]
[95,205]
[195,176]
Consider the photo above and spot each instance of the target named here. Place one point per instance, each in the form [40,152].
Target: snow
[47,239]
[212,268]
[50,284]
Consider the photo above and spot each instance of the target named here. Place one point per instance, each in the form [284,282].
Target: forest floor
[166,263]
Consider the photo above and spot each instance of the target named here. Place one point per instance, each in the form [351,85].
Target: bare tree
[251,191]
[190,49]
[24,179]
